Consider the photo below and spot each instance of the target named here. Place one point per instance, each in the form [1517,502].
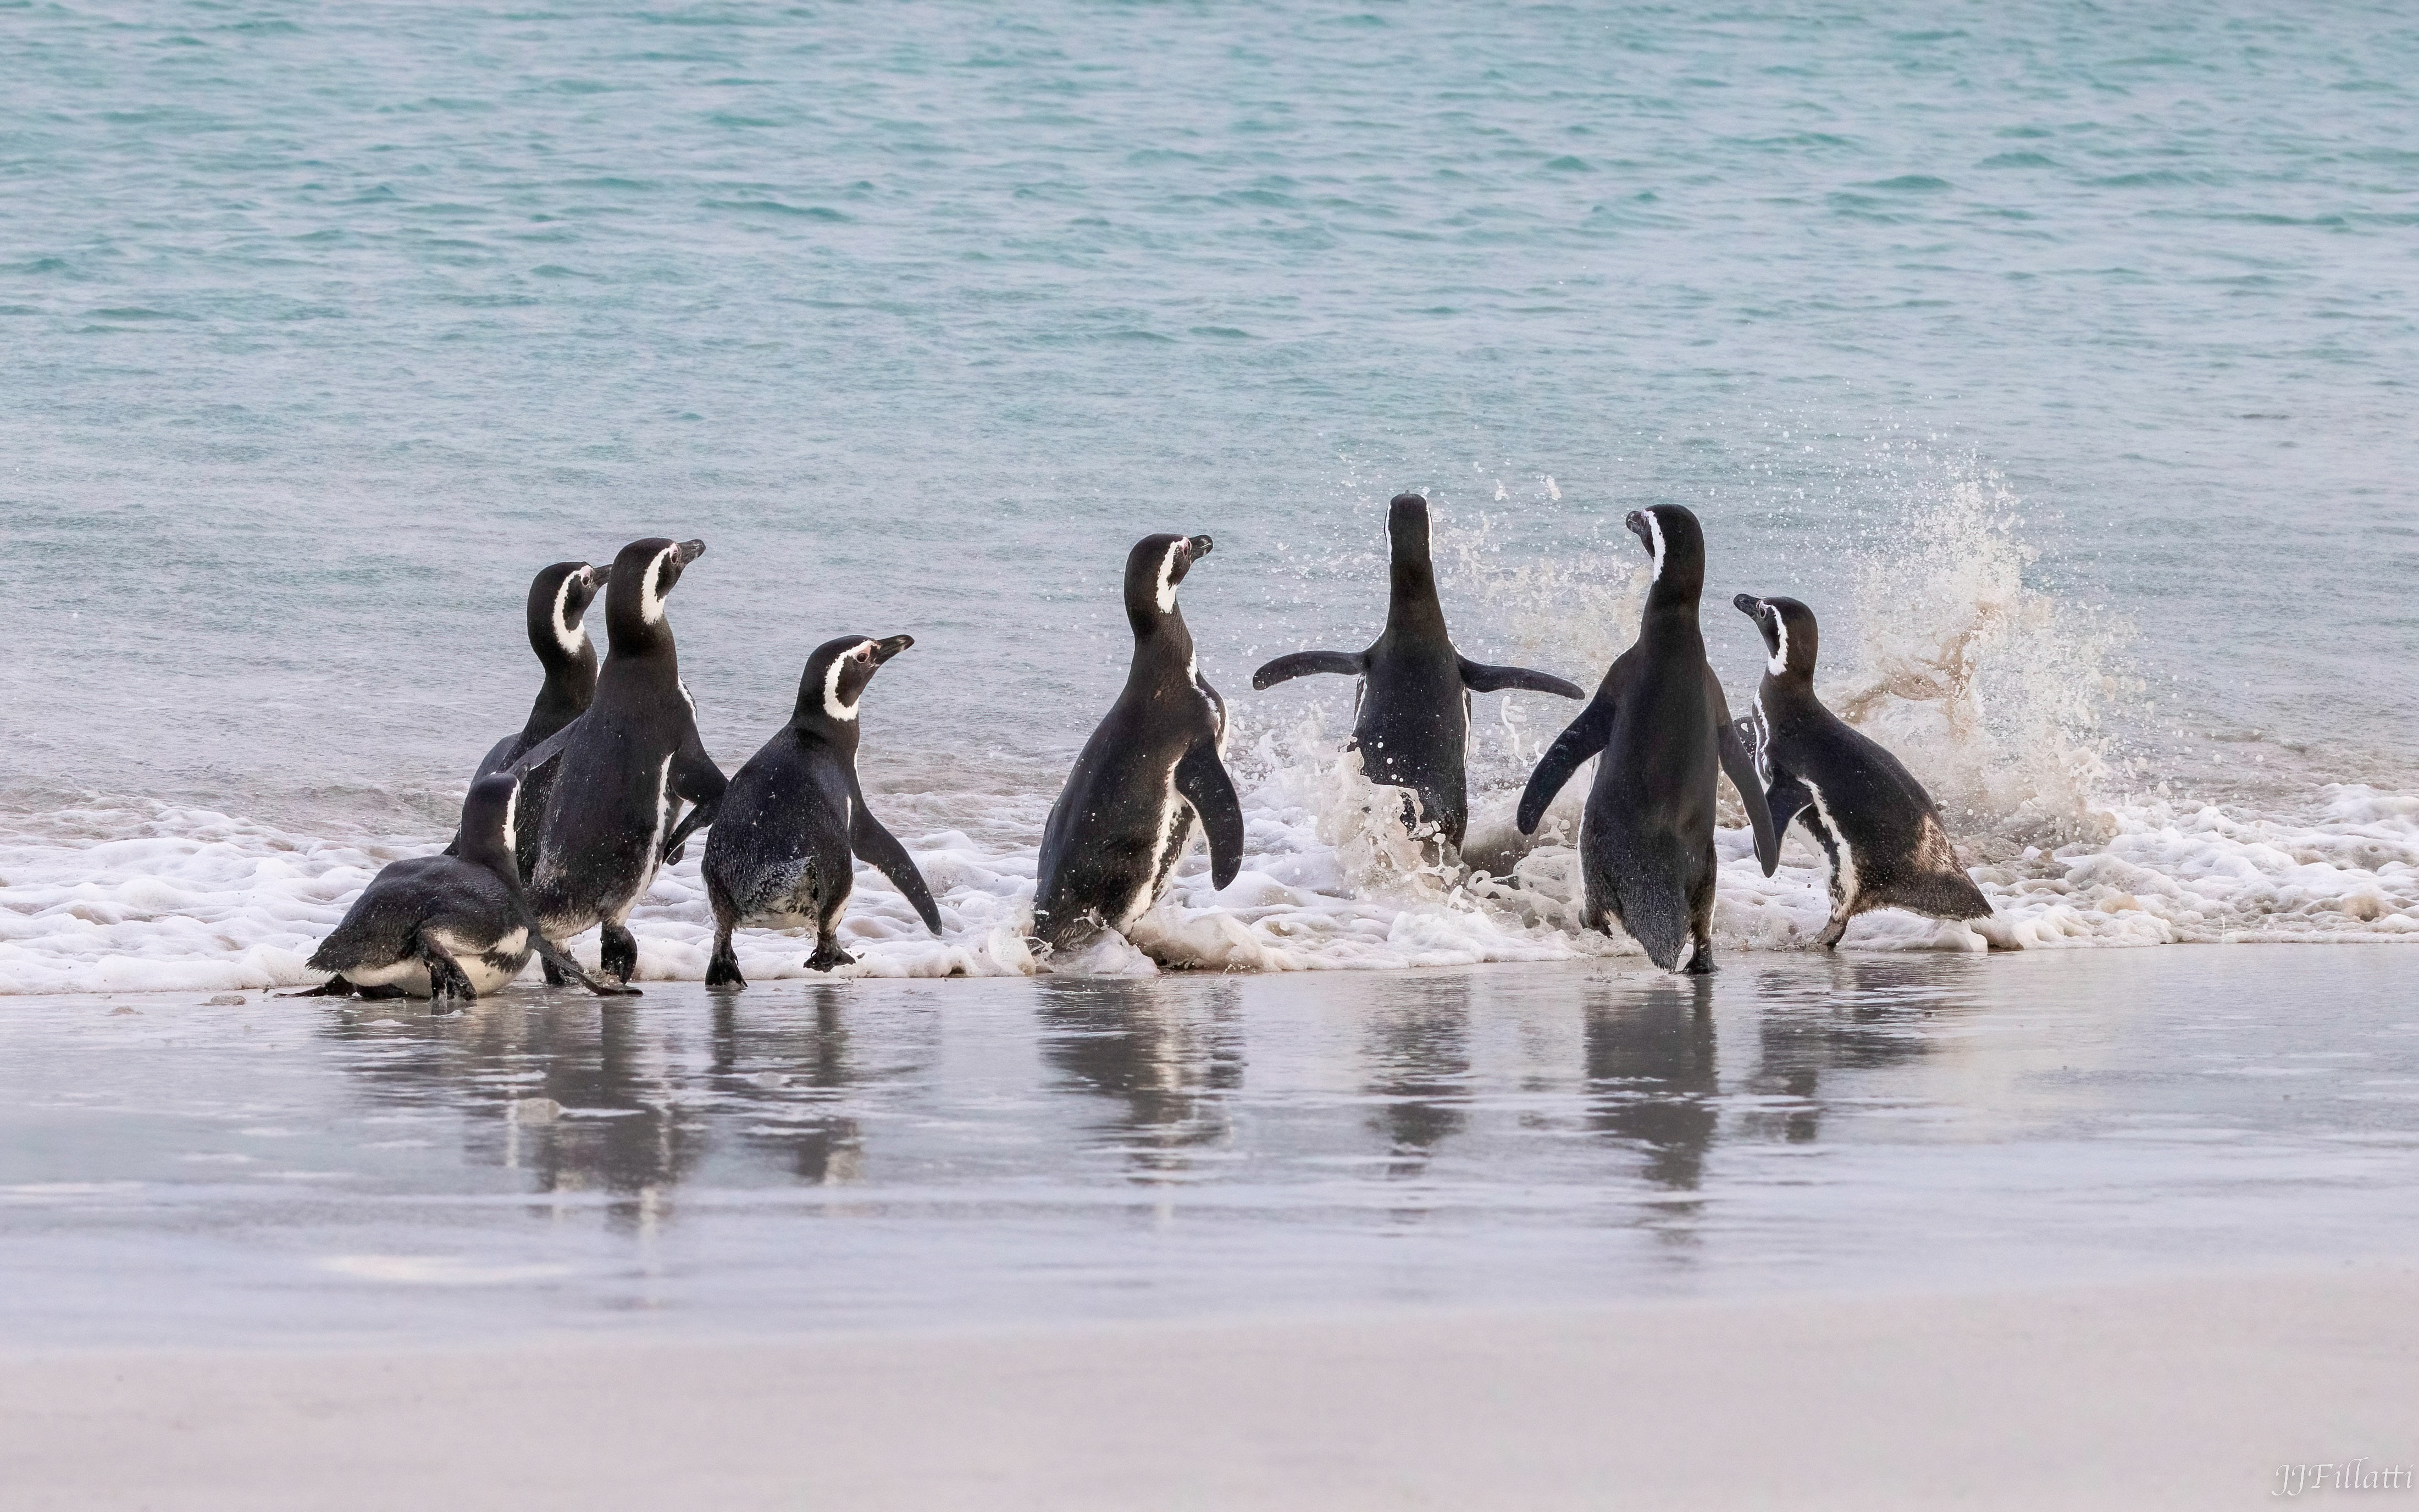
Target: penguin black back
[1875,823]
[1153,767]
[1661,730]
[1412,725]
[794,821]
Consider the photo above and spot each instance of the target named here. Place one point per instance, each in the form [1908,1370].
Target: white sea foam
[1992,691]
[168,898]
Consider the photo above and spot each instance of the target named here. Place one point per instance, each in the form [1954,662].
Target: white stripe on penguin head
[651,602]
[1654,530]
[1780,662]
[1167,577]
[571,637]
[832,705]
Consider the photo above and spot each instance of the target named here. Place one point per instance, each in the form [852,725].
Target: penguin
[784,845]
[558,600]
[1154,765]
[624,767]
[1876,824]
[450,925]
[1662,727]
[1411,723]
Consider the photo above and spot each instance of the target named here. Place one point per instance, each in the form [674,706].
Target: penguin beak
[1636,523]
[1748,604]
[689,551]
[1201,546]
[884,650]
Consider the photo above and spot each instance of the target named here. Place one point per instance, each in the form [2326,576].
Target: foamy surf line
[153,899]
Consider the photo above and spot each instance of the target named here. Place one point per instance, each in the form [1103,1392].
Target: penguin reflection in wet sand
[784,844]
[1660,725]
[558,600]
[1412,723]
[1155,763]
[450,925]
[1881,830]
[624,767]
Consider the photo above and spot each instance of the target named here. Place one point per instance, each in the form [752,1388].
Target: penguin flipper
[1586,736]
[1786,798]
[543,751]
[501,755]
[1740,767]
[696,819]
[1302,663]
[1738,763]
[1202,778]
[877,846]
[696,777]
[1479,678]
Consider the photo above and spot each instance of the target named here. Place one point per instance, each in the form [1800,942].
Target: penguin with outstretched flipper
[1413,722]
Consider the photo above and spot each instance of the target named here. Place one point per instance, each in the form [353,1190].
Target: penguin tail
[1950,896]
[1657,918]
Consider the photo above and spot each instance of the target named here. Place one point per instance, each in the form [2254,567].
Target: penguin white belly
[410,974]
[486,976]
[620,912]
[1844,882]
[1174,820]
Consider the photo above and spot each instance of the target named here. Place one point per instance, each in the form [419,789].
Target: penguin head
[1790,638]
[643,575]
[1676,546]
[487,820]
[1153,568]
[837,671]
[1406,527]
[559,598]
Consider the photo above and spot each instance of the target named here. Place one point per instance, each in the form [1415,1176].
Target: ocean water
[2060,358]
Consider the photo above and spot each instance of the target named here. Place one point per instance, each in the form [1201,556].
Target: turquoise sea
[2060,356]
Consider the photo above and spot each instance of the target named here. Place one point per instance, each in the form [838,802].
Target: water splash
[1993,691]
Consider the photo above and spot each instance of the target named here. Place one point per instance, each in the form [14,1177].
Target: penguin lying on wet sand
[1876,824]
[784,844]
[558,600]
[1412,725]
[1155,763]
[1659,720]
[446,925]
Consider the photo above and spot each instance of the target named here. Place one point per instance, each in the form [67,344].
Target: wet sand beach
[2130,1228]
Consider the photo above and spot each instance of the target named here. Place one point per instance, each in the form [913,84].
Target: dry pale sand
[2172,1393]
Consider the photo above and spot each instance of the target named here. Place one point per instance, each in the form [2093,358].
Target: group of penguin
[567,820]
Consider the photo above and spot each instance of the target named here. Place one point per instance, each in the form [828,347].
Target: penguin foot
[618,955]
[829,958]
[723,971]
[332,987]
[554,976]
[1701,961]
